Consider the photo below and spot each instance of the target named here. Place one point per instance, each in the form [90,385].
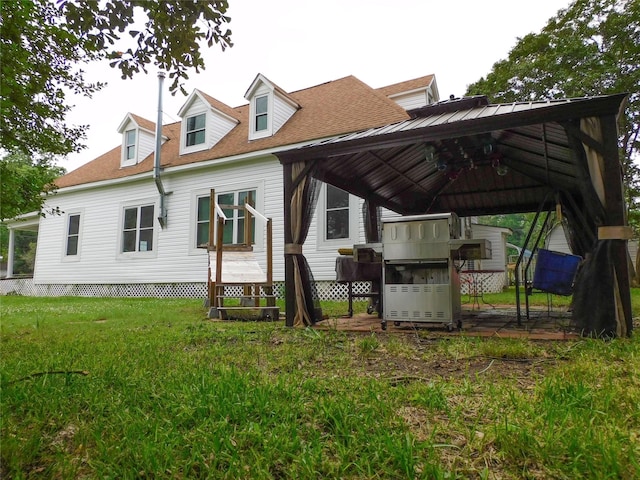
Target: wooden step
[247,296]
[224,307]
[265,312]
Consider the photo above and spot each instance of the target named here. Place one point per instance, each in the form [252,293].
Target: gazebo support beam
[616,215]
[289,283]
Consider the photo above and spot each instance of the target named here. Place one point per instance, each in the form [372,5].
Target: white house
[128,228]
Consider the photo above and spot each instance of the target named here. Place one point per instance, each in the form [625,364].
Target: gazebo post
[289,284]
[616,214]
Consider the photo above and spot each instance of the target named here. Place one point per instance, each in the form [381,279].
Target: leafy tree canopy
[590,48]
[26,183]
[43,44]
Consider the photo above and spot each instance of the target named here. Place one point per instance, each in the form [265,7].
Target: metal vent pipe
[162,218]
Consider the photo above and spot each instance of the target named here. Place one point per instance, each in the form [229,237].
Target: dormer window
[138,139]
[262,113]
[195,133]
[205,121]
[269,108]
[130,144]
[430,96]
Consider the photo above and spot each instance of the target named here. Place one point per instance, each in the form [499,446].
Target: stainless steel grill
[420,268]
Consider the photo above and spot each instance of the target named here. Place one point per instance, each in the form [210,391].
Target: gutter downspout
[156,170]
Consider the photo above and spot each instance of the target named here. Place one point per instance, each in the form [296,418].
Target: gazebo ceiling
[464,156]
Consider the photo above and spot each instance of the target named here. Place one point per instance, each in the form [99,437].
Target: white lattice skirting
[486,282]
[25,286]
[327,290]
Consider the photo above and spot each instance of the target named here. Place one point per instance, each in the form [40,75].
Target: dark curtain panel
[303,204]
[598,308]
[594,302]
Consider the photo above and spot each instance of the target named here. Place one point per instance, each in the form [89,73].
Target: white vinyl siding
[412,100]
[174,258]
[557,240]
[498,238]
[146,144]
[633,250]
[218,128]
[282,111]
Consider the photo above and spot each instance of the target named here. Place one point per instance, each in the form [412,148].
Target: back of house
[132,226]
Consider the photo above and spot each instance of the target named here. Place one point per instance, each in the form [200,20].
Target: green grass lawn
[147,388]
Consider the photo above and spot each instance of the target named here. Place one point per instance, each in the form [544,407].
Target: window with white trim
[195,132]
[130,145]
[336,213]
[202,221]
[137,232]
[262,113]
[235,224]
[73,234]
[338,218]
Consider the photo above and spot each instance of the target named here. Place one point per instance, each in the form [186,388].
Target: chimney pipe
[162,218]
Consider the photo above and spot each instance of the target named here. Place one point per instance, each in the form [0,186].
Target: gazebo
[475,158]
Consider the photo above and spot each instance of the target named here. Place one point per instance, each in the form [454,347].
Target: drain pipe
[156,170]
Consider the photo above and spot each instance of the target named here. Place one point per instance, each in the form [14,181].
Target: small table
[476,286]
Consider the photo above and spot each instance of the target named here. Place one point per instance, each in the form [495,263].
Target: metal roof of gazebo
[470,140]
[474,158]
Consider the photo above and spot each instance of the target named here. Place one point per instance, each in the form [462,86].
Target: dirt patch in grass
[415,362]
[400,370]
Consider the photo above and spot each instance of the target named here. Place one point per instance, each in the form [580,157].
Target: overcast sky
[298,44]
